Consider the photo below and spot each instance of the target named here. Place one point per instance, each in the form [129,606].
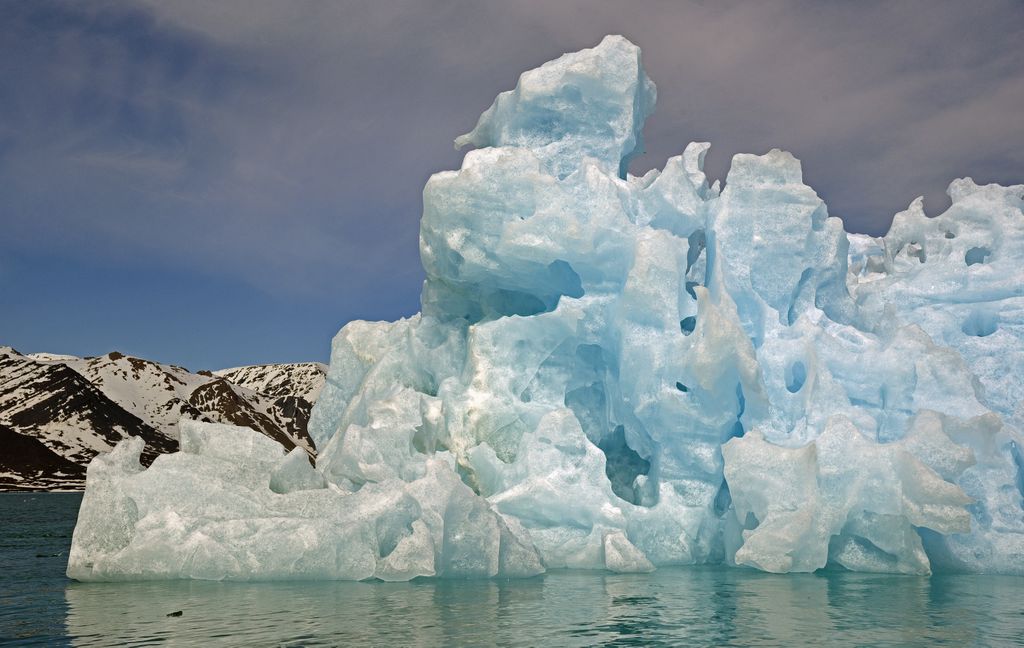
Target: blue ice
[620,372]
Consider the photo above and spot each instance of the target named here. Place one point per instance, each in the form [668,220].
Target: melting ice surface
[618,372]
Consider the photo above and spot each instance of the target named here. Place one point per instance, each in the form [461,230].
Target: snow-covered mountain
[304,379]
[57,411]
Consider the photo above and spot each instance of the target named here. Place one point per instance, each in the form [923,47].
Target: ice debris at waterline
[618,372]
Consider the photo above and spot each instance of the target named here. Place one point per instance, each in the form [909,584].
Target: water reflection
[705,606]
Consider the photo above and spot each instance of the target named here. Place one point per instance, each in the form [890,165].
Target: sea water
[670,607]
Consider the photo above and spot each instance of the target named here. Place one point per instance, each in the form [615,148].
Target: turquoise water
[671,607]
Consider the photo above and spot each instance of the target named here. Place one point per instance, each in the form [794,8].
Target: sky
[214,184]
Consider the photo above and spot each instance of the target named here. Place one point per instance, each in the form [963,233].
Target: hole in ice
[915,249]
[389,533]
[590,405]
[796,374]
[513,302]
[565,278]
[950,235]
[681,387]
[688,324]
[422,441]
[751,521]
[697,243]
[860,546]
[741,402]
[526,396]
[737,430]
[723,500]
[980,323]
[622,464]
[561,280]
[977,255]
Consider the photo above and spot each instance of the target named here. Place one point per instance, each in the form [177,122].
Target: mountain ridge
[58,411]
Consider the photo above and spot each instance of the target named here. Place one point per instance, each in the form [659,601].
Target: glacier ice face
[619,372]
[232,505]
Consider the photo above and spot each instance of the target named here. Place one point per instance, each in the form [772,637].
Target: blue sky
[215,184]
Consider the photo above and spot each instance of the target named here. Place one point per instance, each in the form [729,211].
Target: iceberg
[624,372]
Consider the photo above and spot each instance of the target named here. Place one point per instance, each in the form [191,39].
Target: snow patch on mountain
[304,379]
